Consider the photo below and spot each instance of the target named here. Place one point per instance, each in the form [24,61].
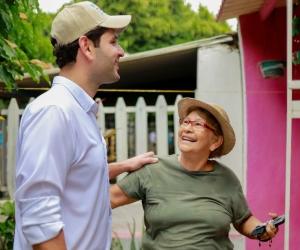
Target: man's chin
[113,80]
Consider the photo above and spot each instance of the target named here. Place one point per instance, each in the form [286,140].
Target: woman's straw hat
[218,112]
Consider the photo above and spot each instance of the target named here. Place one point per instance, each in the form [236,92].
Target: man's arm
[130,165]
[57,243]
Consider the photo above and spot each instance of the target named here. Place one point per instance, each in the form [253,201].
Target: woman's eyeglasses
[196,125]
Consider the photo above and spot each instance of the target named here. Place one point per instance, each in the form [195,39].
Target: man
[62,177]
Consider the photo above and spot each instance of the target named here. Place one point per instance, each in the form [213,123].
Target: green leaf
[2,227]
[298,56]
[9,51]
[7,227]
[45,76]
[5,76]
[132,232]
[5,23]
[10,225]
[32,70]
[27,28]
[7,209]
[21,55]
[10,2]
[15,69]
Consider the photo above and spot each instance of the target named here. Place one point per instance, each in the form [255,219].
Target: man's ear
[86,47]
[217,142]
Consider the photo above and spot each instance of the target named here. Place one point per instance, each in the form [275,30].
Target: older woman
[190,200]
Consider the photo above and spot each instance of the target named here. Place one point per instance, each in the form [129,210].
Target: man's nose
[121,51]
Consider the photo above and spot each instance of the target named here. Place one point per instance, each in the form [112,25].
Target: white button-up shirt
[62,177]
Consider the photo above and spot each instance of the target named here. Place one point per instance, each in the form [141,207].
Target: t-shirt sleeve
[133,184]
[241,210]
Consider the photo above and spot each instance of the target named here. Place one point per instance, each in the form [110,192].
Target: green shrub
[7,227]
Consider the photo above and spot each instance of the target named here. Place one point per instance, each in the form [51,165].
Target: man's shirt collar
[84,100]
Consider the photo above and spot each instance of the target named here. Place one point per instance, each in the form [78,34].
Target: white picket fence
[120,111]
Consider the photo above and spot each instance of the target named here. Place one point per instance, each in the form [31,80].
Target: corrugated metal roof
[235,8]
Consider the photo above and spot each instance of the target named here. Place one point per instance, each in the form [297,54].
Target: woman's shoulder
[153,170]
[225,170]
[164,162]
[167,158]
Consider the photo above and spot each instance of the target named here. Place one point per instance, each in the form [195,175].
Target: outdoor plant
[132,233]
[116,242]
[7,227]
[296,32]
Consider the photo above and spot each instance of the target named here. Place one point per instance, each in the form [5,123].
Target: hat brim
[119,23]
[228,132]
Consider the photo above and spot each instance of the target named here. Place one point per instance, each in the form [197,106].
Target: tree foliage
[41,27]
[161,23]
[25,31]
[17,41]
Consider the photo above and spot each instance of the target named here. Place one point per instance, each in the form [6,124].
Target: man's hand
[138,161]
[131,164]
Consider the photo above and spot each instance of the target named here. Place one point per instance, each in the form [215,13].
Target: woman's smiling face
[191,140]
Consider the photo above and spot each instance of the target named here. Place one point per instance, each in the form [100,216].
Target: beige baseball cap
[77,19]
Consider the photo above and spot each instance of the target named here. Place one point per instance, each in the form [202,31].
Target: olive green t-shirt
[186,210]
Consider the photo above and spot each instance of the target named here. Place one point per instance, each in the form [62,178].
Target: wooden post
[141,130]
[121,136]
[161,126]
[176,124]
[13,119]
[4,153]
[100,116]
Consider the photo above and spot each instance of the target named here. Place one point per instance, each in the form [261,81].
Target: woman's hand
[271,230]
[249,224]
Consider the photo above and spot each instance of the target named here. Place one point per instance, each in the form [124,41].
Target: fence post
[161,126]
[121,135]
[141,130]
[13,119]
[4,154]
[100,116]
[31,99]
[176,124]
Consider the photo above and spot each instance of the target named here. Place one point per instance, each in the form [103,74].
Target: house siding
[266,109]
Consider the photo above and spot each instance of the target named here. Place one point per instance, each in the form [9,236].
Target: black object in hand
[262,228]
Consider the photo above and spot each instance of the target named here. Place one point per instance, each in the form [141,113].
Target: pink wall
[266,127]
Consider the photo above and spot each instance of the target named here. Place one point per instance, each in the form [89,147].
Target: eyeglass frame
[203,124]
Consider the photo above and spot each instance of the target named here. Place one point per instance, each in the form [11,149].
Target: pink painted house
[271,108]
